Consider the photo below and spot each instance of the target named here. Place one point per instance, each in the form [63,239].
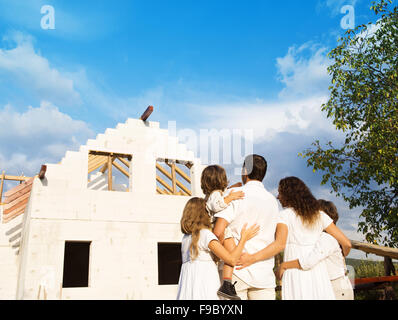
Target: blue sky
[219,64]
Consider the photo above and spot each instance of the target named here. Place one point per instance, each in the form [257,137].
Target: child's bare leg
[227,289]
[228,270]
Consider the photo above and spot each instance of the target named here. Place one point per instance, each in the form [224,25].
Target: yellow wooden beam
[121,169]
[375,249]
[160,191]
[16,178]
[126,163]
[164,183]
[104,167]
[164,171]
[103,153]
[184,188]
[96,163]
[173,174]
[183,174]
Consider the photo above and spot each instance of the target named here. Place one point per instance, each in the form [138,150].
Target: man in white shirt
[256,282]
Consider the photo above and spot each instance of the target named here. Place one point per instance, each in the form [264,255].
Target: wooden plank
[19,204]
[164,171]
[189,165]
[375,249]
[184,188]
[126,163]
[164,183]
[110,172]
[174,180]
[376,280]
[167,192]
[3,174]
[160,191]
[42,172]
[104,167]
[97,165]
[16,201]
[168,175]
[16,178]
[9,216]
[95,160]
[92,159]
[389,268]
[18,194]
[147,113]
[103,153]
[183,174]
[19,187]
[121,169]
[13,215]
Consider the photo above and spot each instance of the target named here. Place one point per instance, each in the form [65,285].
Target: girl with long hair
[199,278]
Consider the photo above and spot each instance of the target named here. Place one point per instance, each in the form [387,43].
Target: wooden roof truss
[106,161]
[172,179]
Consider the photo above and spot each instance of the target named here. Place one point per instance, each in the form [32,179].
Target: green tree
[363,104]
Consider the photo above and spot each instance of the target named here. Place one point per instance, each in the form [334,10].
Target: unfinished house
[103,223]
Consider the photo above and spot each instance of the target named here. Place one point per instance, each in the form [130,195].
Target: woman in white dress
[326,249]
[199,278]
[299,227]
[305,223]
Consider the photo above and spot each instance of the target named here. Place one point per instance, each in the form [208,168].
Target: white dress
[199,279]
[313,284]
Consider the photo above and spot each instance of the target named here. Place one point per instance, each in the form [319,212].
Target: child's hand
[236,195]
[247,234]
[280,271]
[236,185]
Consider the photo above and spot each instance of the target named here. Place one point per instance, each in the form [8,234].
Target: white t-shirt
[204,253]
[326,249]
[261,207]
[215,203]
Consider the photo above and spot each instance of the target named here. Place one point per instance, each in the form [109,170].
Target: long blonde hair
[194,219]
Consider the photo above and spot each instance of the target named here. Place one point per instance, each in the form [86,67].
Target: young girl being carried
[214,185]
[199,279]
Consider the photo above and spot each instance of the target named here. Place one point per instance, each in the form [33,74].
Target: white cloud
[37,136]
[303,76]
[32,72]
[267,119]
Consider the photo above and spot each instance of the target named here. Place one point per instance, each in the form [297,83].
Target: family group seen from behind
[232,236]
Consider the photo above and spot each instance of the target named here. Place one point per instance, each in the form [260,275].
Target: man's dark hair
[330,209]
[256,167]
